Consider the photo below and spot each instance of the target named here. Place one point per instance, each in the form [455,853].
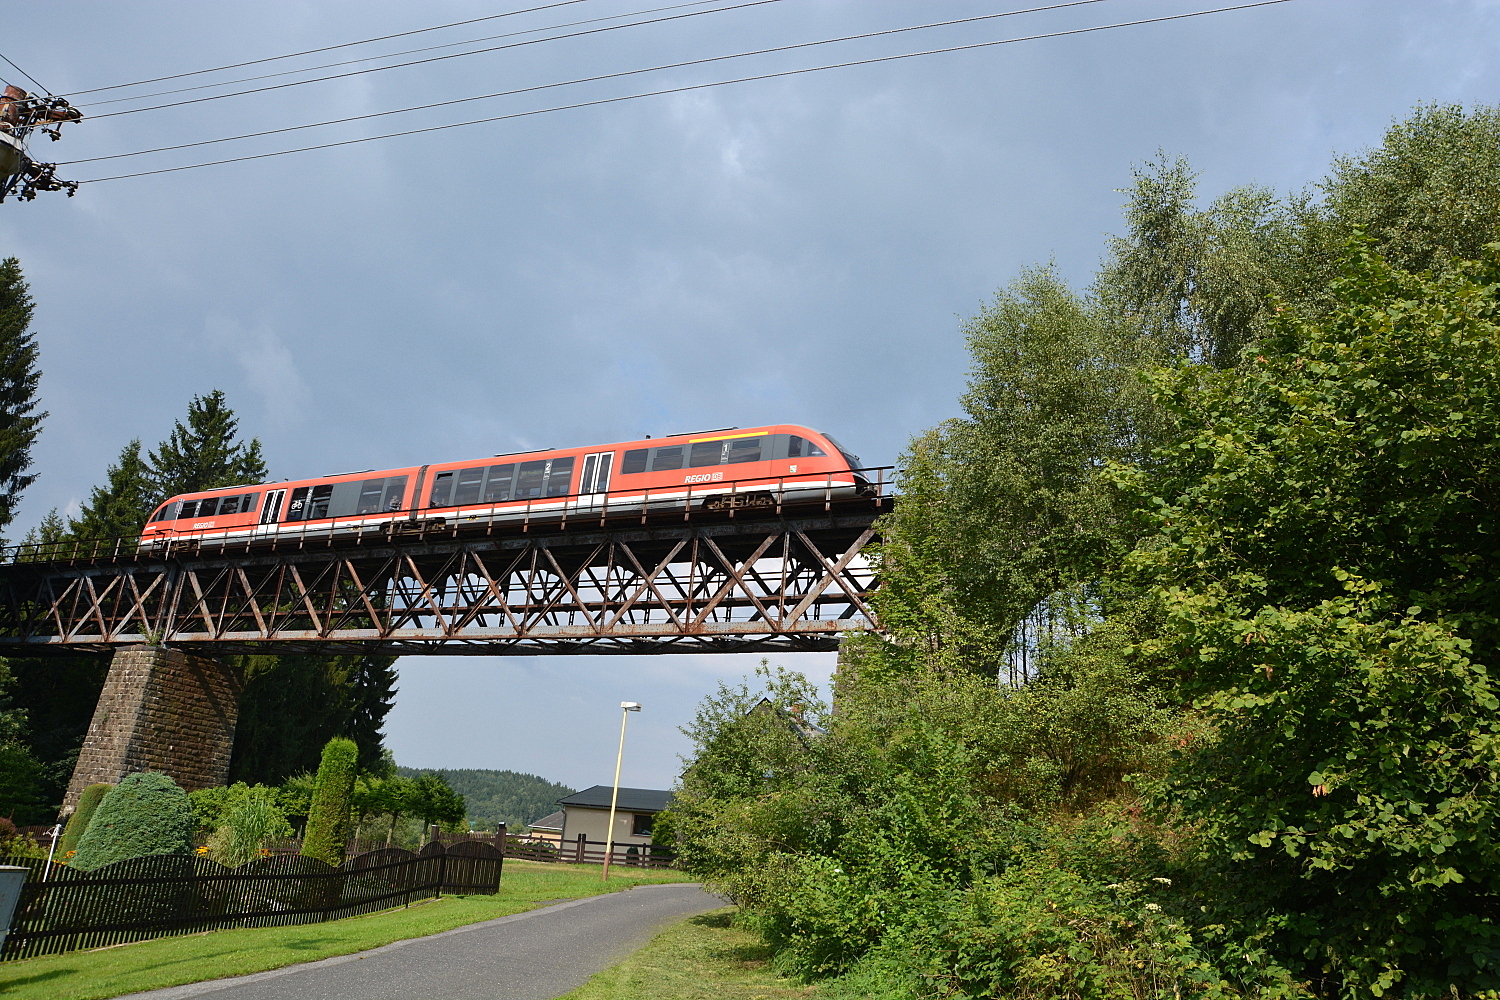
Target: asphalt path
[536,955]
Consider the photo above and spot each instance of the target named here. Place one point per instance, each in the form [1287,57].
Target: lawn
[149,965]
[703,958]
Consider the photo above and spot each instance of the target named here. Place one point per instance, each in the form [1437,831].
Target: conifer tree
[120,506]
[205,453]
[19,421]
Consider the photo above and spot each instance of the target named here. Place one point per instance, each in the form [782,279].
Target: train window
[744,450]
[208,507]
[529,480]
[560,477]
[800,447]
[706,453]
[633,462]
[667,458]
[189,509]
[497,483]
[229,505]
[317,501]
[395,492]
[296,508]
[442,489]
[167,513]
[467,490]
[247,502]
[371,496]
[849,456]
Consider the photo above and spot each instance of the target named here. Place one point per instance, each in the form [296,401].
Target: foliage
[328,815]
[290,706]
[20,423]
[21,774]
[247,822]
[494,797]
[57,695]
[144,815]
[1004,506]
[83,815]
[118,508]
[1326,556]
[14,844]
[205,453]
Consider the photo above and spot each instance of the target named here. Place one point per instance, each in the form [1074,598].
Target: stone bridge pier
[161,710]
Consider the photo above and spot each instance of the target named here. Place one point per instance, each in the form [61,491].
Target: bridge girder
[711,584]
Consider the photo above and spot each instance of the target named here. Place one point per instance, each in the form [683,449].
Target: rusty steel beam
[788,583]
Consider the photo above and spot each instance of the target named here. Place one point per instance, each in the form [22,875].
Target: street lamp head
[630,706]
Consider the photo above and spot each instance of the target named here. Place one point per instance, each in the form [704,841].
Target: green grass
[149,965]
[703,958]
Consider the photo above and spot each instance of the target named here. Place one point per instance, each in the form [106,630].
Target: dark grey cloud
[793,250]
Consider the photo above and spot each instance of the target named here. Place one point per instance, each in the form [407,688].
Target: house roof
[636,800]
[551,821]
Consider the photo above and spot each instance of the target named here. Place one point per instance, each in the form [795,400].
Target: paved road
[535,955]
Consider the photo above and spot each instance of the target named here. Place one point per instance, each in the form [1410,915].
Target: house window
[642,825]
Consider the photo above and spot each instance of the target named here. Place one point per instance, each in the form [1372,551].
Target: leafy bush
[146,814]
[247,823]
[328,814]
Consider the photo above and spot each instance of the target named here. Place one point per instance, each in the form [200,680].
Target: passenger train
[724,469]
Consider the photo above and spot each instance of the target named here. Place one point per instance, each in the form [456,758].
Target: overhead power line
[588,79]
[451,55]
[698,86]
[325,48]
[26,74]
[404,52]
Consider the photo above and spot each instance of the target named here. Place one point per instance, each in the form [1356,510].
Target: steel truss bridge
[697,581]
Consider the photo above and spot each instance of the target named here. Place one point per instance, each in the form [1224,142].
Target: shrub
[88,803]
[246,825]
[328,816]
[146,814]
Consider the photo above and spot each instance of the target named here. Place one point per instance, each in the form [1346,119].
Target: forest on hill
[493,797]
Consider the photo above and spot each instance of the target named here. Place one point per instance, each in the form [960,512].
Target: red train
[715,470]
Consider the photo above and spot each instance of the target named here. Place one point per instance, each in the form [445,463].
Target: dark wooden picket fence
[63,909]
[589,852]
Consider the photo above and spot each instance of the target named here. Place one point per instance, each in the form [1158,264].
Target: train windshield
[849,456]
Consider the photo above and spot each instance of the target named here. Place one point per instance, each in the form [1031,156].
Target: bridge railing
[731,498]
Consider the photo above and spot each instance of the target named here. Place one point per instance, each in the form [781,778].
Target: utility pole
[21,114]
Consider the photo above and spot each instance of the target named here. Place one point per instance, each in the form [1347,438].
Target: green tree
[22,775]
[1004,507]
[205,453]
[20,423]
[145,814]
[118,508]
[328,815]
[290,706]
[432,801]
[1324,537]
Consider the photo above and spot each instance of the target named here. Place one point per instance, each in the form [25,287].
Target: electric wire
[690,87]
[586,79]
[325,48]
[432,59]
[25,74]
[393,55]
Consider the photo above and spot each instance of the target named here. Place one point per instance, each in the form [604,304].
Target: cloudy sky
[796,249]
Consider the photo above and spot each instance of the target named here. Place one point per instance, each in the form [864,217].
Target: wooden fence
[63,909]
[589,852]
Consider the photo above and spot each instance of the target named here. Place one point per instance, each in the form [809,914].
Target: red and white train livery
[714,470]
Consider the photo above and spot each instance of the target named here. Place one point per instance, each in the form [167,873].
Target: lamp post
[626,707]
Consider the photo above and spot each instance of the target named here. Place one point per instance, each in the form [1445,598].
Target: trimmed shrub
[88,802]
[145,815]
[328,816]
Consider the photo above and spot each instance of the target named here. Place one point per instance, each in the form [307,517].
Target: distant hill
[498,796]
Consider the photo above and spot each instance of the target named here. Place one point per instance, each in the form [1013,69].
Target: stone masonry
[160,710]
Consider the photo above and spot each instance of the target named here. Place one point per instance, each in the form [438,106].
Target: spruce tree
[205,453]
[372,692]
[19,420]
[119,507]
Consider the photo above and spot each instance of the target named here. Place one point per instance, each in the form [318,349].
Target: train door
[593,485]
[270,512]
